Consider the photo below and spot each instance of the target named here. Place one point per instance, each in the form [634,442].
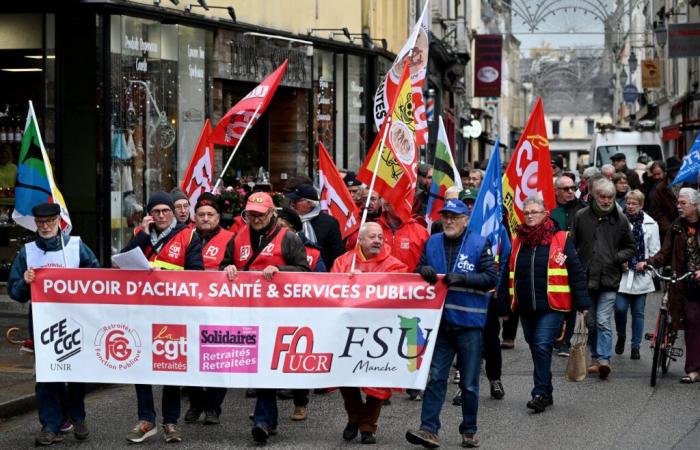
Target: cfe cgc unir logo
[64,339]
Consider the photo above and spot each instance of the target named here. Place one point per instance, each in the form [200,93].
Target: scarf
[307,228]
[155,236]
[540,234]
[638,231]
[599,212]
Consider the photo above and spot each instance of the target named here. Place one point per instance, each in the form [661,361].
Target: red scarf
[539,234]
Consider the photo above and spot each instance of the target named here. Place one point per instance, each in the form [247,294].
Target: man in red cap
[262,245]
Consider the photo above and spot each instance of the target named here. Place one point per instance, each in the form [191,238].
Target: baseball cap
[351,180]
[468,194]
[259,202]
[303,191]
[455,207]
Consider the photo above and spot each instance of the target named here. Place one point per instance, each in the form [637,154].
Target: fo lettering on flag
[396,170]
[199,177]
[335,197]
[35,182]
[529,172]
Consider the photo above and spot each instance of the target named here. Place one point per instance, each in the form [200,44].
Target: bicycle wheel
[670,340]
[658,343]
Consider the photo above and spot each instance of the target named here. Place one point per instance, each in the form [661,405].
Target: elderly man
[567,202]
[169,245]
[604,242]
[182,206]
[476,176]
[371,255]
[619,161]
[608,170]
[471,272]
[262,245]
[319,228]
[53,399]
[214,239]
[585,186]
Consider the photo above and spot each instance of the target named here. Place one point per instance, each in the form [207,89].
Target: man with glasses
[168,245]
[567,202]
[182,206]
[262,245]
[61,406]
[470,273]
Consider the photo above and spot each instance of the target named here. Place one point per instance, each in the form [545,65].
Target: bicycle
[663,337]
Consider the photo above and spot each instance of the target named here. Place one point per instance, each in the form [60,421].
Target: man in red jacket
[405,239]
[371,255]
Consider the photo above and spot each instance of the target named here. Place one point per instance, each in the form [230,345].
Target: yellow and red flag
[396,172]
[529,172]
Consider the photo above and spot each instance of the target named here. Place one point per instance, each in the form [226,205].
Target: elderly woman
[546,280]
[636,284]
[622,187]
[681,248]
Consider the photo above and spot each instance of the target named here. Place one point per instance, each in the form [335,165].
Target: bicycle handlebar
[673,278]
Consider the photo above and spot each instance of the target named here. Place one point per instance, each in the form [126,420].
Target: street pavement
[623,412]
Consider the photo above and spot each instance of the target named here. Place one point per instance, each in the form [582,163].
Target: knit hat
[159,198]
[208,199]
[177,194]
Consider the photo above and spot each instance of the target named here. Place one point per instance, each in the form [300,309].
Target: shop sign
[683,40]
[487,65]
[651,73]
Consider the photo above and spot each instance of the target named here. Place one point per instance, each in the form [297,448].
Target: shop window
[340,160]
[555,127]
[324,99]
[356,104]
[590,127]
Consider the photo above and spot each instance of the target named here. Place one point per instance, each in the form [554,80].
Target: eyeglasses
[532,213]
[567,188]
[182,207]
[161,212]
[446,218]
[256,217]
[45,222]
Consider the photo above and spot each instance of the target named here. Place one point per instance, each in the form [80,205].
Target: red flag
[529,172]
[396,173]
[199,176]
[335,197]
[230,129]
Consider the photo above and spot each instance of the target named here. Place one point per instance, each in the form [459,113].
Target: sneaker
[350,432]
[634,354]
[80,431]
[368,437]
[142,431]
[457,399]
[620,345]
[300,413]
[172,433]
[211,417]
[45,438]
[470,441]
[603,371]
[423,437]
[539,403]
[457,377]
[66,427]
[192,415]
[563,351]
[593,368]
[507,344]
[260,433]
[497,391]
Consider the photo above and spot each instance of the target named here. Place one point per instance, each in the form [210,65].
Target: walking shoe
[300,413]
[350,432]
[507,344]
[620,345]
[457,377]
[260,433]
[142,431]
[66,427]
[192,415]
[634,354]
[172,433]
[211,417]
[457,399]
[539,403]
[593,368]
[285,394]
[367,437]
[470,441]
[563,351]
[80,431]
[423,437]
[497,391]
[603,371]
[45,438]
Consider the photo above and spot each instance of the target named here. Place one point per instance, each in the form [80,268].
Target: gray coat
[603,245]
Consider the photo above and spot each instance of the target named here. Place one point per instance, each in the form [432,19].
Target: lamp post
[632,61]
[623,77]
[661,33]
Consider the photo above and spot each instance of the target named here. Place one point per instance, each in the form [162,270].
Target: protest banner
[188,328]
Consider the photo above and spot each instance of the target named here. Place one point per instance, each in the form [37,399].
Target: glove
[428,274]
[454,279]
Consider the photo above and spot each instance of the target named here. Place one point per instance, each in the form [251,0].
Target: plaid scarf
[638,231]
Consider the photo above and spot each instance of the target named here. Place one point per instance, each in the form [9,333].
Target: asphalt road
[622,412]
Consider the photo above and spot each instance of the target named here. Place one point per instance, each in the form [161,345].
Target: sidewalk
[16,368]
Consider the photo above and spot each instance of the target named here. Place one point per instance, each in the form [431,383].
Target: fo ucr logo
[294,361]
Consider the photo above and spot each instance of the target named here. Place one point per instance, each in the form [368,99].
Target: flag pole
[230,158]
[371,188]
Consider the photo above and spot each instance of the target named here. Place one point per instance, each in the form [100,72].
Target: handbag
[576,369]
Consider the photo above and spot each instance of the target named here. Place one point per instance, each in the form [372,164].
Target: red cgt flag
[335,197]
[529,172]
[231,127]
[199,176]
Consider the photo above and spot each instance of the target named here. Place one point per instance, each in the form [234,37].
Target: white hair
[603,186]
[607,167]
[365,226]
[452,192]
[692,194]
[534,200]
[590,172]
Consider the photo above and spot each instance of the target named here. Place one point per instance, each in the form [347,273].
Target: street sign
[630,93]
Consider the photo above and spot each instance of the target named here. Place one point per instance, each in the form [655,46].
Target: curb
[27,403]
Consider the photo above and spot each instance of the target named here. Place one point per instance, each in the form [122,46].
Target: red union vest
[172,255]
[271,255]
[558,290]
[312,256]
[213,251]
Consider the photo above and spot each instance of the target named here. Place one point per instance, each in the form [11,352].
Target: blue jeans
[540,330]
[600,324]
[266,408]
[56,400]
[170,403]
[636,302]
[466,343]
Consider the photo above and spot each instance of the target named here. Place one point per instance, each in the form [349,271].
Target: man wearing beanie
[168,245]
[182,206]
[214,239]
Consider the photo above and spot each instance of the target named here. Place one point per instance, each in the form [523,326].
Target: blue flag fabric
[691,164]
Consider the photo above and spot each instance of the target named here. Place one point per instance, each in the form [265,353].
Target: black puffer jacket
[531,276]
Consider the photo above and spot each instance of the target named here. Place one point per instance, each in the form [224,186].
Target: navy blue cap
[159,198]
[305,191]
[46,210]
[455,207]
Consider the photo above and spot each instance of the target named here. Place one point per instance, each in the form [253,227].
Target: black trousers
[492,344]
[510,326]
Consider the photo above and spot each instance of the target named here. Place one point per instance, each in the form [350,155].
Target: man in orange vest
[214,239]
[262,245]
[371,255]
[168,245]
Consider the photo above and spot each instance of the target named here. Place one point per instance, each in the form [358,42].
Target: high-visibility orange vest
[172,255]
